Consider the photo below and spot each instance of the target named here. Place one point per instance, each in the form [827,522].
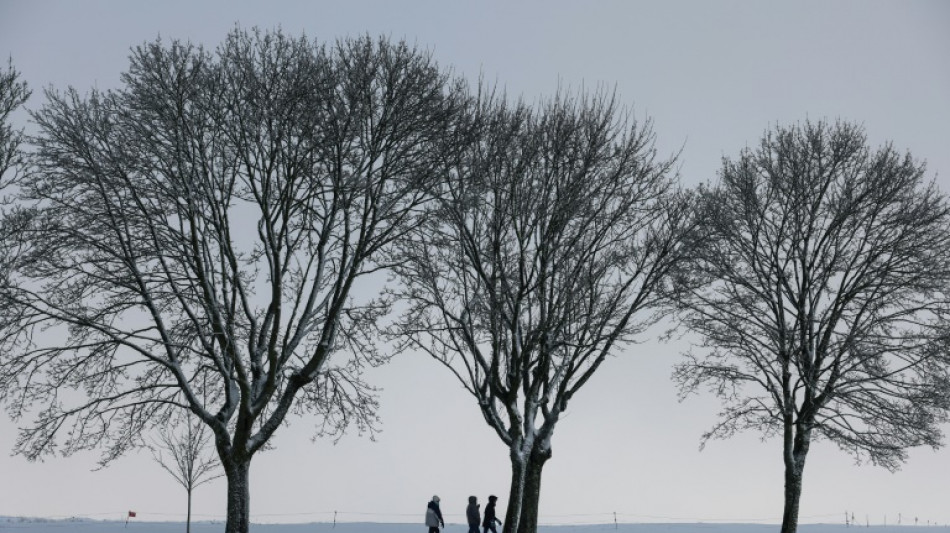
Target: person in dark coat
[473,515]
[434,515]
[490,518]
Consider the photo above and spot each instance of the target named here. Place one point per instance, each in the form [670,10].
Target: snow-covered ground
[17,525]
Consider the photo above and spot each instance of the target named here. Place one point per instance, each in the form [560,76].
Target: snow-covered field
[17,525]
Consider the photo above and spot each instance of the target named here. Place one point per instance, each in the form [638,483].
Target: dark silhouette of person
[434,515]
[489,522]
[473,515]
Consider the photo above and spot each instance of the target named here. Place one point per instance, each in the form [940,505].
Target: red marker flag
[131,514]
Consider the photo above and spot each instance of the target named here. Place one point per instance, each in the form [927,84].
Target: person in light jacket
[473,515]
[490,518]
[434,515]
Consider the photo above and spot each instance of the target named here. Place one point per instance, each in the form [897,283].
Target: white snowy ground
[17,525]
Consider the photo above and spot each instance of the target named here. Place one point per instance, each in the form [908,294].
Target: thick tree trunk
[796,450]
[793,493]
[513,513]
[532,491]
[239,497]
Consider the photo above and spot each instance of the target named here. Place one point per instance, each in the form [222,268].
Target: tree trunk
[513,513]
[795,453]
[793,493]
[188,519]
[239,497]
[532,491]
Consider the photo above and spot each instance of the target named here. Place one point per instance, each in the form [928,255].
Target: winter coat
[472,512]
[490,518]
[433,515]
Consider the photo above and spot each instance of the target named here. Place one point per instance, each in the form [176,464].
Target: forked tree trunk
[239,497]
[532,491]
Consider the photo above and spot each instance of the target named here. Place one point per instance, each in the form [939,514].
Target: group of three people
[434,515]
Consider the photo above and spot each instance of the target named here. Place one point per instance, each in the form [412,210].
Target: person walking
[434,515]
[490,518]
[473,515]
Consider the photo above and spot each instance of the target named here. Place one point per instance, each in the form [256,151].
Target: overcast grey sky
[713,76]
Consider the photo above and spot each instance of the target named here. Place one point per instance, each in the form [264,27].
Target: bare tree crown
[195,237]
[554,228]
[821,293]
[186,454]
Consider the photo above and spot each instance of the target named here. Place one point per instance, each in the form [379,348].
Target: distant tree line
[183,250]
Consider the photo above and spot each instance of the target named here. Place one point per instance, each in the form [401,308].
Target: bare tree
[821,298]
[198,233]
[546,251]
[187,455]
[13,94]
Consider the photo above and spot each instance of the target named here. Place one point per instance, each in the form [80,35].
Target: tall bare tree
[187,455]
[546,251]
[198,233]
[13,94]
[820,296]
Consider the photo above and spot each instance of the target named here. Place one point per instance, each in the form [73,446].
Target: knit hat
[435,499]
